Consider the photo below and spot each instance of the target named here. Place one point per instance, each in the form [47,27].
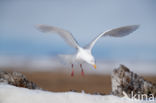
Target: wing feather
[117,32]
[67,36]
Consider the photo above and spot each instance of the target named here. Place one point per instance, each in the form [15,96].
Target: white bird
[84,54]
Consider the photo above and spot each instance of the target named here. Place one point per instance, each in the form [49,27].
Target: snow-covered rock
[17,79]
[12,94]
[124,80]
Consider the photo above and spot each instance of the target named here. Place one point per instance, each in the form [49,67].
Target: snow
[12,94]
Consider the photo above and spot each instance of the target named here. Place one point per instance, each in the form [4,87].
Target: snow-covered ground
[12,94]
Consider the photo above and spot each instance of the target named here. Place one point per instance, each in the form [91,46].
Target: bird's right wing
[63,33]
[117,32]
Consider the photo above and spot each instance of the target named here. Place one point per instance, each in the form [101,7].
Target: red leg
[82,72]
[72,73]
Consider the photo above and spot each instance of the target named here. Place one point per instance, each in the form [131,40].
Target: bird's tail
[66,59]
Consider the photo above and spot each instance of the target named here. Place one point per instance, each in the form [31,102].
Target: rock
[125,81]
[17,79]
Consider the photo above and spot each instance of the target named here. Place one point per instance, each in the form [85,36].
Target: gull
[84,54]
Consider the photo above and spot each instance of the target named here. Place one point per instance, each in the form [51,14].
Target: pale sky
[85,19]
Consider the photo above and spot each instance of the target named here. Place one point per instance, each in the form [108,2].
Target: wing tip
[38,25]
[136,26]
[42,28]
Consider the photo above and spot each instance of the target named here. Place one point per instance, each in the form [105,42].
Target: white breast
[83,55]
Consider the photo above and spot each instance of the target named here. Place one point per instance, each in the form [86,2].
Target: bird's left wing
[117,32]
[63,33]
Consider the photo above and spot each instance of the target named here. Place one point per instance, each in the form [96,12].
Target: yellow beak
[94,66]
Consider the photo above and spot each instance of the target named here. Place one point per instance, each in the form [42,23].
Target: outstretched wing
[117,32]
[63,33]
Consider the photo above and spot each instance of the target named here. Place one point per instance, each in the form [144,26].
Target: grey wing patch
[121,31]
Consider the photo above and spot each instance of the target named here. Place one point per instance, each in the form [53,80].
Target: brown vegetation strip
[60,82]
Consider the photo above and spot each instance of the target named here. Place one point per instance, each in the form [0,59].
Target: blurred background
[24,48]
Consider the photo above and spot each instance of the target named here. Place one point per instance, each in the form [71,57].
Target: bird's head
[92,61]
